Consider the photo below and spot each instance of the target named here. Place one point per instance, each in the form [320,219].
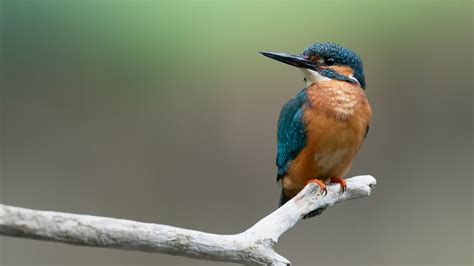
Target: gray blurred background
[164,112]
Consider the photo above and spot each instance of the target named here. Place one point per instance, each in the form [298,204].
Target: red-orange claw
[340,181]
[321,185]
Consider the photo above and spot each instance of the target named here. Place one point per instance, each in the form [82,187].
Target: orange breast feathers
[337,117]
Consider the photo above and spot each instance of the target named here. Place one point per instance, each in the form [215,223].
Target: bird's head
[325,61]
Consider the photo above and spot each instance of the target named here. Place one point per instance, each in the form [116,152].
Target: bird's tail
[283,198]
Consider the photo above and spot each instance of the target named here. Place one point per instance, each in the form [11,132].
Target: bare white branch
[252,247]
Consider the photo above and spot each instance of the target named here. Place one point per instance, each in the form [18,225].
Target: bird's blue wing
[291,134]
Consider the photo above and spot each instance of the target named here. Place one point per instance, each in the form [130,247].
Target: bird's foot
[341,181]
[321,185]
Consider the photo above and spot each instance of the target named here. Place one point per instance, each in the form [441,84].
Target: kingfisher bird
[321,129]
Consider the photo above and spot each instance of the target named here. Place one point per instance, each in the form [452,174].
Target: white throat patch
[312,76]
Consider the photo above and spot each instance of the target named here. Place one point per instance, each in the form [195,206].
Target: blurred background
[164,112]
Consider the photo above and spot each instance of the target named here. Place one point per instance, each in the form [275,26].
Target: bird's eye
[329,61]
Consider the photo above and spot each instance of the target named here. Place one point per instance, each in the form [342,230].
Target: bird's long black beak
[294,60]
